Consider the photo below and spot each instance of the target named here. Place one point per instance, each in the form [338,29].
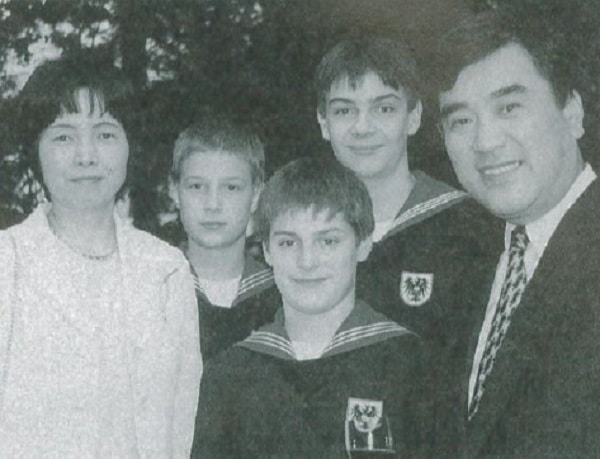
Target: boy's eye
[343,111]
[386,109]
[286,243]
[196,186]
[62,138]
[233,187]
[329,241]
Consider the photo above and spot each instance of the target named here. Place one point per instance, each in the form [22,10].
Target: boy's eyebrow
[283,233]
[318,233]
[375,99]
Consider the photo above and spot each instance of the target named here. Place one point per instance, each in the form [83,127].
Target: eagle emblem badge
[416,288]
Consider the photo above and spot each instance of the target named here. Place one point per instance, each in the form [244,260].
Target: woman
[99,349]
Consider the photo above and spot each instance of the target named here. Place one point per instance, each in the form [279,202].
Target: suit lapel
[549,288]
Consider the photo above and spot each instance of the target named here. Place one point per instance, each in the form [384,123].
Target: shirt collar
[540,231]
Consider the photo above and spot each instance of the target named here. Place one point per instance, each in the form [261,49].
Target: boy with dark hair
[217,176]
[369,105]
[328,361]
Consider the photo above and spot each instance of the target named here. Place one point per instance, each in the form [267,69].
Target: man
[511,121]
[424,249]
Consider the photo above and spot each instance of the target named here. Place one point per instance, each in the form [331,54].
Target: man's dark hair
[317,184]
[387,58]
[478,37]
[53,87]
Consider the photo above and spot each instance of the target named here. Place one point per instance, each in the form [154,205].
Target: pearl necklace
[54,226]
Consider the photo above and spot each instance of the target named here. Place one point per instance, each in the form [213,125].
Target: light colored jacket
[157,336]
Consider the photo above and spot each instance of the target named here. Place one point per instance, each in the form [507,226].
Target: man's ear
[414,118]
[174,192]
[266,253]
[364,248]
[574,113]
[323,124]
[256,191]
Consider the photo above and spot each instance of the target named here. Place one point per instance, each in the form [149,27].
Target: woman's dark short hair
[53,87]
[317,184]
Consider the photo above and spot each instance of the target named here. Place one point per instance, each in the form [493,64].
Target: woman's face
[83,156]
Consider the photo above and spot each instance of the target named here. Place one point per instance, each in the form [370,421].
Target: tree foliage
[251,58]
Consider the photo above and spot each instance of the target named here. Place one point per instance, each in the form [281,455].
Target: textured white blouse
[98,358]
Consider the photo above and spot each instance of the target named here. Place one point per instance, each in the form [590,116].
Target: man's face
[512,147]
[368,125]
[216,198]
[314,257]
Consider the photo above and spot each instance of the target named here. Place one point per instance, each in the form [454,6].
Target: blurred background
[251,58]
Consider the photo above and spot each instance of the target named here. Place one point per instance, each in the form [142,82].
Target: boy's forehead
[368,83]
[309,218]
[214,163]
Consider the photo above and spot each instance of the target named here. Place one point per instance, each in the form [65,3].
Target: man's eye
[508,108]
[459,122]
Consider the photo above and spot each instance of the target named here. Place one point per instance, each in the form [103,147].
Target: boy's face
[314,258]
[368,125]
[216,198]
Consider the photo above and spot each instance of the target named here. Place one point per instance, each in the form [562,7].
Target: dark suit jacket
[542,398]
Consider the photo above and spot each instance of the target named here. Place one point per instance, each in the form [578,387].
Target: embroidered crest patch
[416,288]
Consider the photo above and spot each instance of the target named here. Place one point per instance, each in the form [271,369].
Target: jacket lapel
[550,287]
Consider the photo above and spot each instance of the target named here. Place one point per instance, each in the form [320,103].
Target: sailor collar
[363,327]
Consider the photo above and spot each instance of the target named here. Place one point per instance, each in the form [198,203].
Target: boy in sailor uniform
[217,175]
[291,388]
[428,247]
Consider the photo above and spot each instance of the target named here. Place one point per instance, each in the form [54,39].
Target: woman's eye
[62,138]
[107,136]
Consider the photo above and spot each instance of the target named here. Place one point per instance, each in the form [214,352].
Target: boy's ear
[266,253]
[414,118]
[256,191]
[174,192]
[364,248]
[323,124]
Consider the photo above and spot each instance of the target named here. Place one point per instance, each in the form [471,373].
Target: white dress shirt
[539,232]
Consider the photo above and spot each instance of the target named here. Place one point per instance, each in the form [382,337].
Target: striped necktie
[510,297]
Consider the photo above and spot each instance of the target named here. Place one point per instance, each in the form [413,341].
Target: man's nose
[488,135]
